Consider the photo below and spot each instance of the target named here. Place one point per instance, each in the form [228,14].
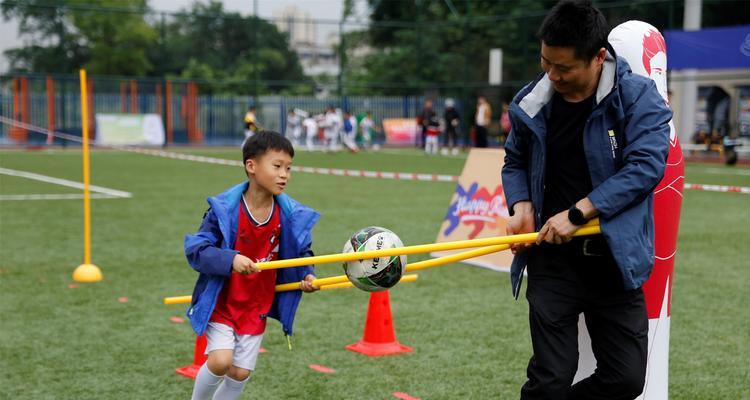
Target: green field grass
[470,337]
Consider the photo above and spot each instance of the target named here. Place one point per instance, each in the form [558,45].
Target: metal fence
[53,103]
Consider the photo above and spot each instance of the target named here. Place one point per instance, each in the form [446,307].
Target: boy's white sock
[205,383]
[230,389]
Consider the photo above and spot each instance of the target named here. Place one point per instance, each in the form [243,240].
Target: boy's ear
[250,166]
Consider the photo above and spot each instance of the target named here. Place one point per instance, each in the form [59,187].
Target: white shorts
[245,347]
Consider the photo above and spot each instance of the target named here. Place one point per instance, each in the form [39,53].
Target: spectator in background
[251,122]
[423,120]
[482,121]
[366,129]
[311,130]
[452,127]
[293,126]
[350,131]
[332,127]
[717,107]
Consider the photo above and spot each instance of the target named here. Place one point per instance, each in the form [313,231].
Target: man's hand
[243,265]
[557,230]
[307,284]
[522,221]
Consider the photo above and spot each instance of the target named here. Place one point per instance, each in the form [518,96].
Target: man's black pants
[582,277]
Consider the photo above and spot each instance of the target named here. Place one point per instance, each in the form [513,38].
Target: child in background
[251,122]
[251,222]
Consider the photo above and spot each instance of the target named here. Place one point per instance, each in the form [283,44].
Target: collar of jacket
[225,203]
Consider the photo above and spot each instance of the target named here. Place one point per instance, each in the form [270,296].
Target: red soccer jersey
[245,300]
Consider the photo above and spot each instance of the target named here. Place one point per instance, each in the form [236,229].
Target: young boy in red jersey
[249,223]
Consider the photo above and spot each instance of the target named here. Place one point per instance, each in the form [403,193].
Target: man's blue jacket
[626,142]
[211,251]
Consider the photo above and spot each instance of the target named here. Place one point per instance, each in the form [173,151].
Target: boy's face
[270,171]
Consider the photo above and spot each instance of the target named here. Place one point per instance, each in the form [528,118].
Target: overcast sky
[318,9]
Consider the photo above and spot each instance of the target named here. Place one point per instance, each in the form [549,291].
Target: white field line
[69,196]
[101,192]
[340,172]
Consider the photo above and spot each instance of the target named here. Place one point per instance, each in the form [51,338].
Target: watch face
[575,216]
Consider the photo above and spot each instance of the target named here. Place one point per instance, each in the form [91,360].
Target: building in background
[316,58]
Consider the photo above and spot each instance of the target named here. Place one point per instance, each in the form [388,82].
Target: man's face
[570,75]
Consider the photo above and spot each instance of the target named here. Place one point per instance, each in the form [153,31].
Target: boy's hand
[307,284]
[243,265]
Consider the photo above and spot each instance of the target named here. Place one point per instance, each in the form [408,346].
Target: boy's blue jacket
[626,142]
[211,251]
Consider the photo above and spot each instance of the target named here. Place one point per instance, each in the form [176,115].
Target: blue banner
[713,48]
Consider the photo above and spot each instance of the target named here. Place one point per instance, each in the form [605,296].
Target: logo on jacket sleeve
[612,142]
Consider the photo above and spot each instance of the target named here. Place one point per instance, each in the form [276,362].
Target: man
[452,126]
[425,118]
[589,139]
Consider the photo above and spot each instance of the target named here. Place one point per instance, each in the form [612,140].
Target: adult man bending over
[589,139]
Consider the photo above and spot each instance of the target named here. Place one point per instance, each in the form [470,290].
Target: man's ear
[600,56]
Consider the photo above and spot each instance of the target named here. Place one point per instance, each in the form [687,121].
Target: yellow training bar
[422,248]
[435,262]
[343,285]
[178,300]
[340,285]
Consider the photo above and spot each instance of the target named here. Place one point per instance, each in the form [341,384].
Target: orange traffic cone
[191,370]
[379,338]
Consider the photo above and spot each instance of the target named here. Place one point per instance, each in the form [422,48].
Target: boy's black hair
[575,23]
[262,142]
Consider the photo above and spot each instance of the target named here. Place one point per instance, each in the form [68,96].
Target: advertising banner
[129,129]
[478,209]
[400,130]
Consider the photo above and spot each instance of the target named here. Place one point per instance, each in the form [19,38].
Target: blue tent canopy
[713,48]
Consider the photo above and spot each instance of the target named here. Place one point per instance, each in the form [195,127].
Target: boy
[251,122]
[249,223]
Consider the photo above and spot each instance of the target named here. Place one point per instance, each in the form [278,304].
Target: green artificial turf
[470,337]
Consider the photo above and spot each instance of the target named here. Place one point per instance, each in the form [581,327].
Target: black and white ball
[377,274]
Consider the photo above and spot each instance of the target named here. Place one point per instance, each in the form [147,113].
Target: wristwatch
[575,216]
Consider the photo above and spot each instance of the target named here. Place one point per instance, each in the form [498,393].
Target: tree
[103,36]
[210,43]
[423,44]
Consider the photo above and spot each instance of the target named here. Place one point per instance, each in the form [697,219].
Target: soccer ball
[377,274]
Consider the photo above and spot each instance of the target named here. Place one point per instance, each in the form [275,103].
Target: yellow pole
[86,272]
[422,248]
[285,287]
[178,299]
[465,255]
[340,285]
[588,229]
[345,285]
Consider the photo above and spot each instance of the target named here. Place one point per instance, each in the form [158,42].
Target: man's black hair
[263,141]
[577,24]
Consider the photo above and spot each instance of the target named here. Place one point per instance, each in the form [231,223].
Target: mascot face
[645,50]
[655,59]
